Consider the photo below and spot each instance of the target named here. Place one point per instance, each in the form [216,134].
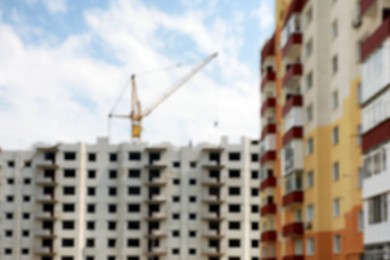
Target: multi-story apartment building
[130,201]
[374,33]
[310,151]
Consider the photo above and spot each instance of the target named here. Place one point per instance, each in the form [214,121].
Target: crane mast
[136,115]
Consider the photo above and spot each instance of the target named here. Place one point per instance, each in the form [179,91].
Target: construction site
[165,156]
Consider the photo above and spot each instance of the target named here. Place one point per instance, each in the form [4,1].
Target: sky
[64,63]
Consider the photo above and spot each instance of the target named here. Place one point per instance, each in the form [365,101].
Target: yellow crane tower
[136,114]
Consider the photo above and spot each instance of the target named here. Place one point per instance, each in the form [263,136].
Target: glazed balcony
[268,52]
[294,257]
[293,101]
[375,40]
[293,74]
[376,136]
[268,81]
[268,236]
[268,129]
[268,104]
[269,182]
[268,209]
[371,7]
[293,198]
[293,229]
[293,46]
[292,157]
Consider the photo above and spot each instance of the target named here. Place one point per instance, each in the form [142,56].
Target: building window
[175,251]
[91,208]
[310,249]
[255,226]
[192,251]
[90,225]
[91,174]
[309,213]
[335,99]
[92,157]
[133,190]
[234,225]
[336,207]
[134,156]
[335,64]
[234,243]
[134,174]
[69,156]
[91,191]
[68,207]
[336,171]
[336,244]
[133,225]
[193,164]
[308,16]
[309,179]
[68,225]
[309,146]
[69,173]
[298,247]
[176,181]
[113,174]
[234,174]
[113,157]
[255,209]
[309,80]
[377,209]
[67,242]
[234,156]
[175,233]
[111,225]
[176,199]
[90,242]
[233,208]
[69,190]
[112,191]
[192,233]
[255,192]
[255,175]
[254,157]
[192,216]
[308,48]
[133,208]
[111,242]
[309,113]
[192,199]
[335,135]
[335,29]
[132,242]
[234,191]
[192,182]
[361,221]
[176,164]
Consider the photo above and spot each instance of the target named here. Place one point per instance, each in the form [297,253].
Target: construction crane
[136,114]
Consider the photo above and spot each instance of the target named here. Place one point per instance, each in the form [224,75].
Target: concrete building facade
[311,163]
[130,201]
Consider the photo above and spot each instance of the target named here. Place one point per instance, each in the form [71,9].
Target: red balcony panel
[293,229]
[267,157]
[268,236]
[292,101]
[268,129]
[268,209]
[293,40]
[375,40]
[268,258]
[294,257]
[269,182]
[293,133]
[376,136]
[269,76]
[296,6]
[267,104]
[292,198]
[268,49]
[293,71]
[365,5]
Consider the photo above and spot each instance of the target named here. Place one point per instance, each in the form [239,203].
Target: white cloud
[52,6]
[265,14]
[62,93]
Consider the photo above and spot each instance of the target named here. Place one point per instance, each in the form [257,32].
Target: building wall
[103,187]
